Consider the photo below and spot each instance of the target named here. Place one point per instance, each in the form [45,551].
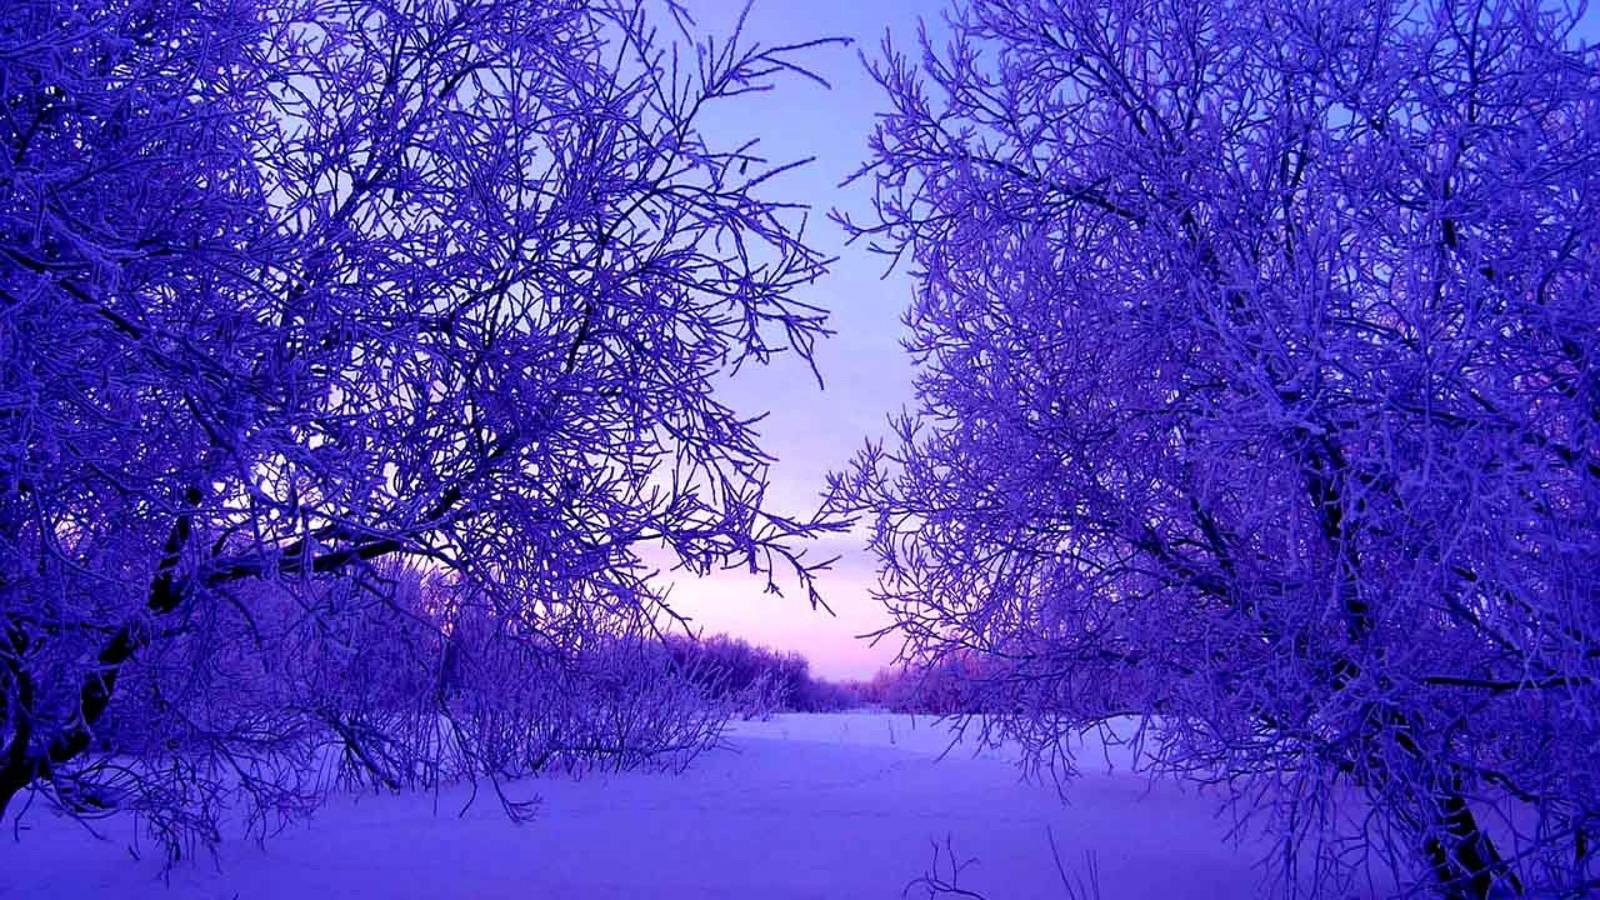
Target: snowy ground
[838,806]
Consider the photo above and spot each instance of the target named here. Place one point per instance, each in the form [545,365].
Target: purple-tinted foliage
[294,288]
[1258,395]
[955,684]
[408,681]
[757,680]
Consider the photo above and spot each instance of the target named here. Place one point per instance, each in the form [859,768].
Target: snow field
[801,806]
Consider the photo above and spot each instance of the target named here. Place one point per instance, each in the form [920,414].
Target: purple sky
[867,376]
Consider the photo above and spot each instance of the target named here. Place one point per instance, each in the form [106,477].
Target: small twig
[937,884]
[1082,890]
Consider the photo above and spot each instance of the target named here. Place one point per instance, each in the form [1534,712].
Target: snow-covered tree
[293,289]
[1258,395]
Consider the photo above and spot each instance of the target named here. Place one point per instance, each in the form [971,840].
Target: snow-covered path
[840,806]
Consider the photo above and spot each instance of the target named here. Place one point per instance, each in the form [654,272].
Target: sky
[866,376]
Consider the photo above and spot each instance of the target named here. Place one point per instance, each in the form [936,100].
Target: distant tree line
[759,681]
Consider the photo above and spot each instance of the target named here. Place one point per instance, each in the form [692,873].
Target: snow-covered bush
[958,683]
[402,682]
[515,707]
[758,681]
[821,695]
